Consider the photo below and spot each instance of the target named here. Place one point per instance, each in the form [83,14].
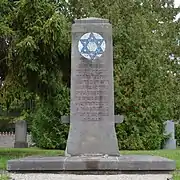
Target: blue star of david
[92,39]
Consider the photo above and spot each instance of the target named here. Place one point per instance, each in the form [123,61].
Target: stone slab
[91,20]
[120,164]
[20,145]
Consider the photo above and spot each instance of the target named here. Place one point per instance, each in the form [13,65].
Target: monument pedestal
[20,145]
[136,164]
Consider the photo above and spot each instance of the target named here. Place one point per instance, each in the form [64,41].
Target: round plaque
[91,45]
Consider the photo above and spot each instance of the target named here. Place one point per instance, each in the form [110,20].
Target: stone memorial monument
[92,143]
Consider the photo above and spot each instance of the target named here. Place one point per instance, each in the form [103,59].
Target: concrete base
[80,164]
[170,144]
[20,145]
[57,176]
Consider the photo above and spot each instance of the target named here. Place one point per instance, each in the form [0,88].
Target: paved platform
[90,177]
[87,164]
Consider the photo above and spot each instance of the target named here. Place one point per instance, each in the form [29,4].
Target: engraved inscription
[91,95]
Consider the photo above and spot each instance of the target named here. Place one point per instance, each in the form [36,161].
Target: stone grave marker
[170,130]
[21,134]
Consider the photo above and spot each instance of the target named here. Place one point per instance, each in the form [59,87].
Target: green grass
[4,177]
[170,154]
[176,176]
[13,153]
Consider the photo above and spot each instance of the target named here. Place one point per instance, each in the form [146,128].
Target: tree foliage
[47,130]
[5,32]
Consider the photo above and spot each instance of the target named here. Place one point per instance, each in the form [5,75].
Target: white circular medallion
[91,45]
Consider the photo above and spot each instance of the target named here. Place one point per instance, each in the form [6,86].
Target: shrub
[133,134]
[177,134]
[47,130]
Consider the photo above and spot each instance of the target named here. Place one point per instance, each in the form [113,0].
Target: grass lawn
[13,153]
[170,154]
[4,177]
[176,176]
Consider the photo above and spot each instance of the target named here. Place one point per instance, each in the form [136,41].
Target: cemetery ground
[13,153]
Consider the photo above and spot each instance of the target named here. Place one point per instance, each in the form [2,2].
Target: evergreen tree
[38,62]
[143,34]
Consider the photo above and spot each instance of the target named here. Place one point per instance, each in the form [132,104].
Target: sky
[177,3]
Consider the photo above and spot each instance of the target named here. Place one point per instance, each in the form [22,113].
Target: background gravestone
[92,129]
[21,134]
[170,130]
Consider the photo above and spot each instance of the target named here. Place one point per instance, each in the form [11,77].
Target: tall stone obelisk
[92,126]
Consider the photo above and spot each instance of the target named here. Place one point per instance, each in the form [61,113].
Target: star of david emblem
[91,45]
